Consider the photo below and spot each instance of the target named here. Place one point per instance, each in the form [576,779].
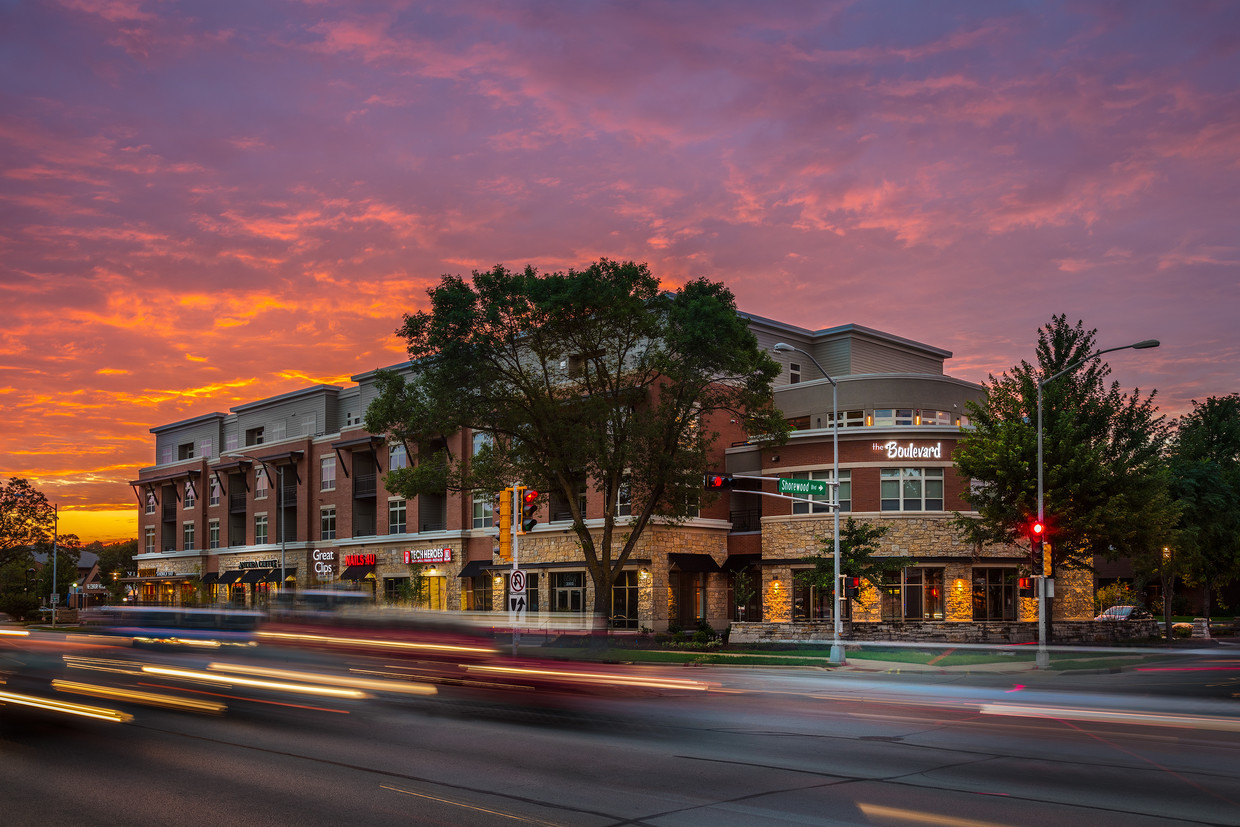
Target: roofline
[840,330]
[159,429]
[286,397]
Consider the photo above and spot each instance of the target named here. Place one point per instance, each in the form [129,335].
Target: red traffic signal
[1038,529]
[1025,586]
[529,504]
[851,585]
[711,481]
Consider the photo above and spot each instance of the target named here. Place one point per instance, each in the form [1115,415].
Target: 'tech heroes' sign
[428,555]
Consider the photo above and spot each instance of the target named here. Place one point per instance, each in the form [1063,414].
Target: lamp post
[837,647]
[1043,657]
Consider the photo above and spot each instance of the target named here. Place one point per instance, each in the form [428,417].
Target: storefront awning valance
[210,577]
[254,575]
[273,575]
[692,562]
[175,475]
[367,441]
[358,573]
[477,568]
[738,562]
[228,578]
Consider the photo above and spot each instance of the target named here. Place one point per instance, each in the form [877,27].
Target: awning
[692,562]
[476,568]
[737,562]
[273,575]
[210,577]
[358,573]
[175,475]
[230,577]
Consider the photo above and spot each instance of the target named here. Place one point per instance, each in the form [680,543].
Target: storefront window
[752,610]
[810,602]
[568,591]
[994,594]
[624,601]
[913,594]
[479,597]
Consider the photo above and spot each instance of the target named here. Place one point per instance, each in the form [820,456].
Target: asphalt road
[865,745]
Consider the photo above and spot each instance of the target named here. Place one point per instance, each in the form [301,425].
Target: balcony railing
[363,526]
[170,512]
[365,486]
[236,503]
[748,519]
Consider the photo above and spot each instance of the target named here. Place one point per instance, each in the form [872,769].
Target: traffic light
[1025,586]
[529,505]
[503,510]
[711,481]
[1037,533]
[851,585]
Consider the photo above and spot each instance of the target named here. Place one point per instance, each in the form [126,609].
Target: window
[799,423]
[994,594]
[213,530]
[911,489]
[624,601]
[351,418]
[230,442]
[397,589]
[904,416]
[308,425]
[187,536]
[480,441]
[149,541]
[480,594]
[204,448]
[849,419]
[191,496]
[884,416]
[624,497]
[398,456]
[254,436]
[396,517]
[483,508]
[260,484]
[165,455]
[794,373]
[936,417]
[913,594]
[278,429]
[845,494]
[216,493]
[150,502]
[185,451]
[568,591]
[260,529]
[327,523]
[327,473]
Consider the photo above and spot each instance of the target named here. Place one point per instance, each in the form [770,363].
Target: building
[288,493]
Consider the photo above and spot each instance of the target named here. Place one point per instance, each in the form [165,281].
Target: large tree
[1106,490]
[1205,479]
[595,376]
[26,519]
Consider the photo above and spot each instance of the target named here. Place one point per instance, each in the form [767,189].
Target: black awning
[349,444]
[210,577]
[273,575]
[476,568]
[692,562]
[357,573]
[254,575]
[737,562]
[229,577]
[175,475]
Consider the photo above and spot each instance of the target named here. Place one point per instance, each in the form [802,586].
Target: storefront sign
[895,450]
[324,563]
[145,572]
[428,555]
[359,559]
[258,564]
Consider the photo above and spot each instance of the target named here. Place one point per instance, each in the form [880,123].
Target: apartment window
[213,532]
[185,451]
[278,429]
[849,419]
[165,455]
[204,448]
[308,425]
[187,536]
[794,373]
[904,416]
[884,416]
[829,476]
[911,489]
[351,418]
[913,594]
[216,493]
[327,523]
[260,484]
[935,417]
[483,511]
[254,436]
[994,594]
[396,516]
[150,502]
[260,529]
[327,473]
[190,495]
[799,423]
[148,541]
[624,497]
[230,442]
[398,457]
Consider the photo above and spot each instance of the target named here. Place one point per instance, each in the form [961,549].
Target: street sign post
[815,488]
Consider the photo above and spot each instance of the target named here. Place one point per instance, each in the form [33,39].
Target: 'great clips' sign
[359,559]
[428,555]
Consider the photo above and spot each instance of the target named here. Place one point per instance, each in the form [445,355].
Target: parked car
[1124,613]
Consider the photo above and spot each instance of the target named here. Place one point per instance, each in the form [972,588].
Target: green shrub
[1181,630]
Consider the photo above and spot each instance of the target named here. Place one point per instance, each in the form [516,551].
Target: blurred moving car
[1124,613]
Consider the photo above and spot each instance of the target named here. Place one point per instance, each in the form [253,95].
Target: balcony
[749,519]
[170,512]
[365,486]
[363,526]
[236,503]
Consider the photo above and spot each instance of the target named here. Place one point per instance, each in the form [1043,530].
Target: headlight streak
[137,697]
[229,680]
[402,687]
[1114,716]
[594,678]
[444,680]
[381,644]
[14,633]
[119,667]
[81,710]
[249,699]
[915,817]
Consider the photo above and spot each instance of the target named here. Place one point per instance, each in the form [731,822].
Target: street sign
[55,597]
[516,595]
[817,488]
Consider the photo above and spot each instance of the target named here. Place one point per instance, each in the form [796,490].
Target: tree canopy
[859,557]
[1106,490]
[27,519]
[595,376]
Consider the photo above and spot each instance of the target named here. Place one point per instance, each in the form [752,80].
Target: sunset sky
[209,203]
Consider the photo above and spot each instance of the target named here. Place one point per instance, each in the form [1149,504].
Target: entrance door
[568,593]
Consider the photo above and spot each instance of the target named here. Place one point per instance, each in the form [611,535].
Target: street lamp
[1043,657]
[837,647]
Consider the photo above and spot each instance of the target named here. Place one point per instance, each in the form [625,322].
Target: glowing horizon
[207,204]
